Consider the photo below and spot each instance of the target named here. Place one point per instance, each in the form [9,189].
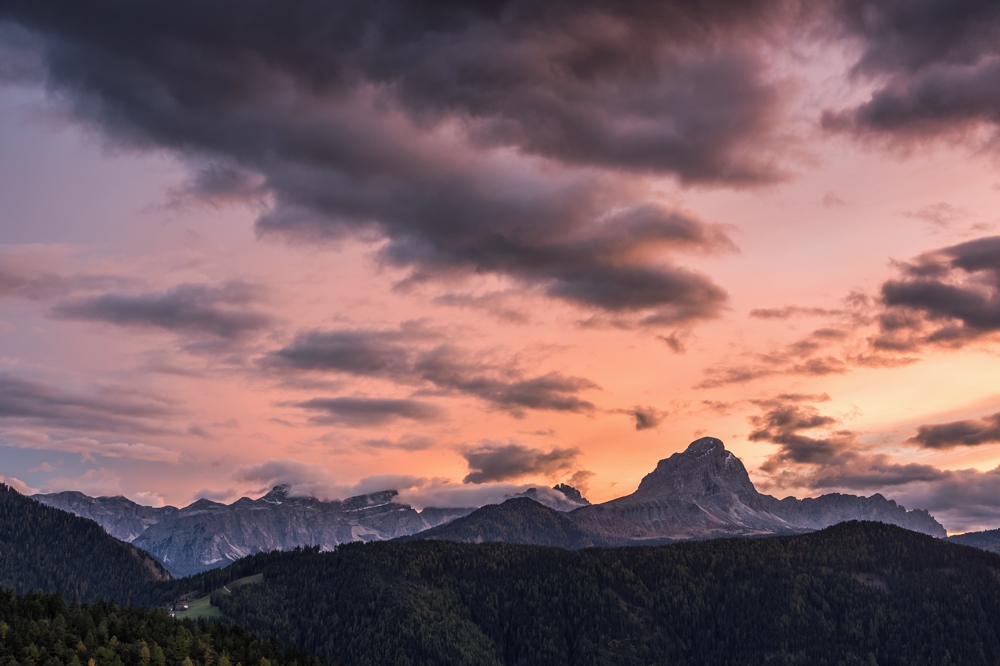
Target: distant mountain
[119,516]
[519,520]
[42,548]
[819,512]
[988,540]
[560,497]
[702,492]
[208,534]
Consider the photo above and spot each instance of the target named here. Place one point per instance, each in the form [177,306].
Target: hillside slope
[854,593]
[520,520]
[46,549]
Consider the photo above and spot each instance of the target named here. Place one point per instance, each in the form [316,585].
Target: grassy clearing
[202,608]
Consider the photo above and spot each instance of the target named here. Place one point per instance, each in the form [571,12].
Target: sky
[463,249]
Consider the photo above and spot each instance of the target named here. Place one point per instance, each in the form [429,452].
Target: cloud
[792,311]
[192,309]
[816,454]
[970,432]
[646,418]
[935,66]
[940,215]
[30,403]
[962,500]
[305,479]
[397,355]
[33,273]
[215,495]
[404,443]
[19,485]
[832,200]
[945,297]
[492,460]
[365,412]
[88,447]
[495,303]
[809,356]
[97,482]
[524,143]
[443,493]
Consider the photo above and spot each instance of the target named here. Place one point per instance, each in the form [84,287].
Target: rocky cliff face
[702,492]
[206,535]
[705,491]
[819,512]
[119,516]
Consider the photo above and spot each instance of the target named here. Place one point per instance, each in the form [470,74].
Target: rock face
[819,512]
[560,497]
[705,491]
[119,516]
[207,534]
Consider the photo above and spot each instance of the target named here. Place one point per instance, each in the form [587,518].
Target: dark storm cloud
[970,432]
[220,312]
[935,61]
[401,356]
[491,461]
[26,402]
[498,138]
[947,297]
[361,412]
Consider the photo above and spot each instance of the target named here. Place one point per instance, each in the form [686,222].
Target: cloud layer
[502,139]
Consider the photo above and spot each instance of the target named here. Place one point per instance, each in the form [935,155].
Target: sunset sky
[462,249]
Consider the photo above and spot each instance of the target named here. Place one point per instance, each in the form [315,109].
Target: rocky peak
[277,495]
[571,493]
[704,469]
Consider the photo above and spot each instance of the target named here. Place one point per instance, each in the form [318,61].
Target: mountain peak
[705,444]
[704,469]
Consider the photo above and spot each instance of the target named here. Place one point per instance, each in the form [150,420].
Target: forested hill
[46,549]
[43,629]
[988,540]
[519,520]
[856,593]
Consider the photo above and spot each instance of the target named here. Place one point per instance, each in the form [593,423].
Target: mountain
[560,497]
[119,516]
[826,510]
[207,534]
[702,492]
[988,540]
[42,548]
[856,593]
[705,491]
[518,520]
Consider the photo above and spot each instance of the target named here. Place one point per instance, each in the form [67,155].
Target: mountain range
[702,492]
